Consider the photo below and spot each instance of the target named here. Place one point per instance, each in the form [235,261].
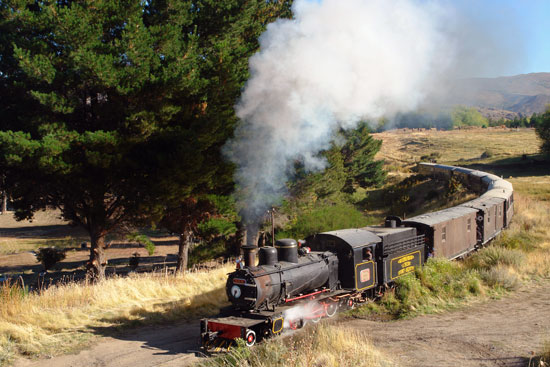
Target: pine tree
[543,131]
[111,109]
[359,151]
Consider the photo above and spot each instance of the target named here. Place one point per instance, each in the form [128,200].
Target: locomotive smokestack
[249,253]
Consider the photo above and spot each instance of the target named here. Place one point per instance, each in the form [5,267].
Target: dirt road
[504,332]
[500,333]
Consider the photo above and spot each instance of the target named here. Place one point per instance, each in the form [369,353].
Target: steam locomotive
[293,284]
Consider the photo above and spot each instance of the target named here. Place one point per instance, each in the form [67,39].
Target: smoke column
[335,63]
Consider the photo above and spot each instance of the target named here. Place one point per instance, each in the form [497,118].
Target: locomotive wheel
[298,324]
[350,303]
[332,309]
[250,338]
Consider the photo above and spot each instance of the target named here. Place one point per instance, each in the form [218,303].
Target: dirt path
[504,332]
[166,346]
[500,333]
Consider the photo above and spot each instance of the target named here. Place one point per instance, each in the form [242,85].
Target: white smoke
[335,63]
[302,313]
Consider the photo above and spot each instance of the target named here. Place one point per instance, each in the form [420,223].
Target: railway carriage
[490,217]
[449,233]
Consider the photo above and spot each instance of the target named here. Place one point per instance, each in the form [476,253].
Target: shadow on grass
[175,331]
[45,232]
[517,166]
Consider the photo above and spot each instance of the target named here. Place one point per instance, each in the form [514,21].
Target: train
[295,282]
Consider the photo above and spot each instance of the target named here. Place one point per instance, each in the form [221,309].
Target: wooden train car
[449,233]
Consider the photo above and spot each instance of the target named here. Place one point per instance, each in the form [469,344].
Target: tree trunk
[98,261]
[4,202]
[183,252]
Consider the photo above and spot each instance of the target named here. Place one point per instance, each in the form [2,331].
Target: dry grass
[62,318]
[325,345]
[404,147]
[17,245]
[530,232]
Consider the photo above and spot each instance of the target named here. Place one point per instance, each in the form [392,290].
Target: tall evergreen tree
[543,131]
[358,152]
[111,109]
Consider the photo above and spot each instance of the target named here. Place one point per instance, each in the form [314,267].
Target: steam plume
[335,63]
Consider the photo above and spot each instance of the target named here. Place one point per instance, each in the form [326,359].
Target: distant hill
[505,97]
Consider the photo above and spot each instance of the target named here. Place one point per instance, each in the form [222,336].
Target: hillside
[504,97]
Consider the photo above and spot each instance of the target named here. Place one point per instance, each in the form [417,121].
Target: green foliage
[543,131]
[358,154]
[49,256]
[438,284]
[142,240]
[206,251]
[215,227]
[321,201]
[324,218]
[467,116]
[115,110]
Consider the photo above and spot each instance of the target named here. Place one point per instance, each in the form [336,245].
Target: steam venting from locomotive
[335,63]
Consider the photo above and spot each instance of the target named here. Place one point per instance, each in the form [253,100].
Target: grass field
[403,148]
[64,317]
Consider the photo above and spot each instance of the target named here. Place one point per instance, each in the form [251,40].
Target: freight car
[291,285]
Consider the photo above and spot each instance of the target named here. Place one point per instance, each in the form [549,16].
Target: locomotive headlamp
[236,291]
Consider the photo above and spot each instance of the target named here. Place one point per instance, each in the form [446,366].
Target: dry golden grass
[63,317]
[325,345]
[530,229]
[405,147]
[18,245]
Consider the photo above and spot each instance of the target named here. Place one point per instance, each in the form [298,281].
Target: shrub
[439,284]
[493,256]
[324,218]
[522,240]
[486,154]
[500,277]
[49,256]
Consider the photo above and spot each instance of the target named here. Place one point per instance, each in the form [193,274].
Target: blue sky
[522,25]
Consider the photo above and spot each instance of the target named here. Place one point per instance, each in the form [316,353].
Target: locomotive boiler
[281,274]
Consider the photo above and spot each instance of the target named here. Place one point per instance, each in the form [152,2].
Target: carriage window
[500,211]
[488,216]
[469,224]
[443,234]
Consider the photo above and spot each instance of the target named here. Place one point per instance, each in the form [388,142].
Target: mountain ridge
[505,96]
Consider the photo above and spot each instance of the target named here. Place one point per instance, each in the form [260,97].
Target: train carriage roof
[354,237]
[483,202]
[441,216]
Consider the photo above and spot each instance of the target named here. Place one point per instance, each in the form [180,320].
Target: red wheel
[351,304]
[250,338]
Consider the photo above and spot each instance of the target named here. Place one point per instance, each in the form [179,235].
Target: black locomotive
[291,285]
